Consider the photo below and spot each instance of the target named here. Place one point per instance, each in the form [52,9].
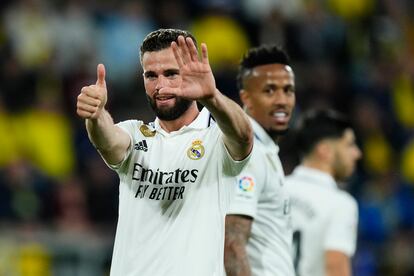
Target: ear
[245,98]
[324,150]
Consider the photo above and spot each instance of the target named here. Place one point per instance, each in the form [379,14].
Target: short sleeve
[341,233]
[247,187]
[232,167]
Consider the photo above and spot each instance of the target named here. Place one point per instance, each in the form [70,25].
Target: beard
[170,113]
[277,133]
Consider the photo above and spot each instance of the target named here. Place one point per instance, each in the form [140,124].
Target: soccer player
[258,233]
[172,198]
[324,217]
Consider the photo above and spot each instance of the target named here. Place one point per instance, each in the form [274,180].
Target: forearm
[338,271]
[233,122]
[337,264]
[236,261]
[108,139]
[237,233]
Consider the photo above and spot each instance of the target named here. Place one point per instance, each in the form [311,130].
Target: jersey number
[296,250]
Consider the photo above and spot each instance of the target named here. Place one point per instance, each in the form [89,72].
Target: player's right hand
[92,98]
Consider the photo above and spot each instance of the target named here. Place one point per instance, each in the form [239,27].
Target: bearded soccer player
[172,198]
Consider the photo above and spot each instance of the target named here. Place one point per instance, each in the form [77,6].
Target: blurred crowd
[58,200]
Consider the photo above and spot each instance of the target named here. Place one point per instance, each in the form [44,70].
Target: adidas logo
[141,145]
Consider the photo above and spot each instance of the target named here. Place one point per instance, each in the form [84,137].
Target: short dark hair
[161,39]
[261,55]
[318,124]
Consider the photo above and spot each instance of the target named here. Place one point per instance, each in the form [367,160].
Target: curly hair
[262,55]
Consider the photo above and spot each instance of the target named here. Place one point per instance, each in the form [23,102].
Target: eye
[289,89]
[269,90]
[150,75]
[171,74]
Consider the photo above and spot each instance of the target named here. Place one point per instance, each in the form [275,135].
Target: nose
[280,97]
[358,153]
[162,81]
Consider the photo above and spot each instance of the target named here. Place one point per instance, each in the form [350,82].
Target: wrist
[211,101]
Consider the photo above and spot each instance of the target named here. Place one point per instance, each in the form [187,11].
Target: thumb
[100,72]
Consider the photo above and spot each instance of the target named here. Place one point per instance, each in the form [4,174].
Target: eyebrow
[171,71]
[149,73]
[274,86]
[166,72]
[292,86]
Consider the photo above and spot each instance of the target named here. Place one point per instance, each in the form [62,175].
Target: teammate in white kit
[172,199]
[258,232]
[324,217]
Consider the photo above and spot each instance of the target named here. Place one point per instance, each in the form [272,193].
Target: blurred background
[58,200]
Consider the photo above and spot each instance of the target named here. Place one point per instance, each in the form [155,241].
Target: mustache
[169,114]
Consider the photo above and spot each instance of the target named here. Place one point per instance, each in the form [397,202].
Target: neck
[275,137]
[317,165]
[184,120]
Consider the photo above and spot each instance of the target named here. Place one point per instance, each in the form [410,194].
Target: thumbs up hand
[93,98]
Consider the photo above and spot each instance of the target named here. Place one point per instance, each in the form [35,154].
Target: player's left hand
[198,82]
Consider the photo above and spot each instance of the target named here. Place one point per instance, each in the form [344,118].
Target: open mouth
[280,117]
[164,99]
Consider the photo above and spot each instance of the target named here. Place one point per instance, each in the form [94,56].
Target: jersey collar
[202,121]
[264,138]
[321,178]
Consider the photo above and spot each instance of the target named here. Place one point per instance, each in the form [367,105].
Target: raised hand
[92,98]
[198,82]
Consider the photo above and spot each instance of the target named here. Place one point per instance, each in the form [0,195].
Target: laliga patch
[196,151]
[246,185]
[146,131]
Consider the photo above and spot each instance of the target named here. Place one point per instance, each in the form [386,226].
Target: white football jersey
[172,200]
[260,193]
[323,218]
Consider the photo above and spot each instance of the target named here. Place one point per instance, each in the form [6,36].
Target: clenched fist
[92,98]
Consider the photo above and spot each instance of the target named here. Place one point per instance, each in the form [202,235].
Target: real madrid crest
[196,151]
[146,131]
